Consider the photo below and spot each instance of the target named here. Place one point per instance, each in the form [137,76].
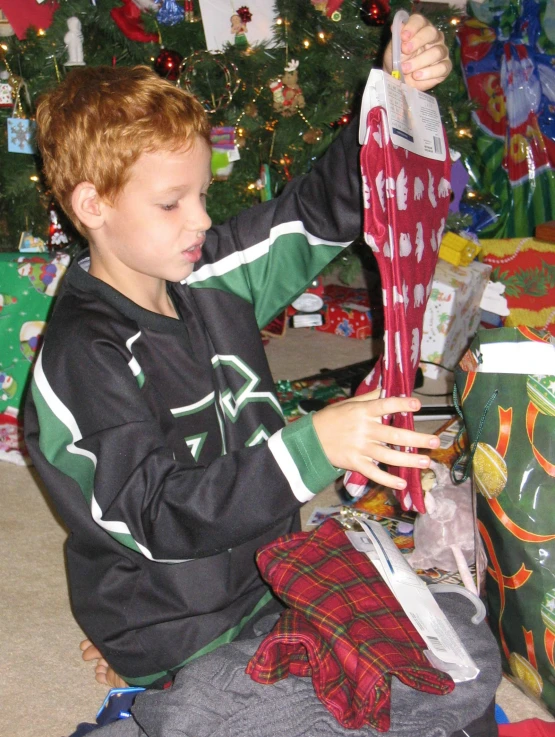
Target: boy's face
[156,227]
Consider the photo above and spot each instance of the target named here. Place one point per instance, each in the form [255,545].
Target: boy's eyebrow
[183,187]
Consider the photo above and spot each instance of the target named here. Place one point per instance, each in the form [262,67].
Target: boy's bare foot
[102,671]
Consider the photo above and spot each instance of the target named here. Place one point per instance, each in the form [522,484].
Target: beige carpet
[46,689]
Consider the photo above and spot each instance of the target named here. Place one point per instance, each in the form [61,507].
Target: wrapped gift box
[29,283]
[452,314]
[526,266]
[347,312]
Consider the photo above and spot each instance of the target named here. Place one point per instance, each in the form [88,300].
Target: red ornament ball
[375,12]
[167,64]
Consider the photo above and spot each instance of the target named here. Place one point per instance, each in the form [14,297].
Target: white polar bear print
[444,187]
[390,187]
[418,188]
[415,346]
[380,187]
[402,190]
[384,297]
[366,192]
[387,250]
[398,354]
[405,296]
[440,231]
[370,240]
[397,296]
[431,192]
[378,137]
[418,295]
[419,242]
[405,246]
[433,241]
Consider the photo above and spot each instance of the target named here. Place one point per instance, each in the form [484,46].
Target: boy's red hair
[94,126]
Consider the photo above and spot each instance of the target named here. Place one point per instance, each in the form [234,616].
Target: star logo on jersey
[231,403]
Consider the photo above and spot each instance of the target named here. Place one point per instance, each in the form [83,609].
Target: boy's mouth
[194,252]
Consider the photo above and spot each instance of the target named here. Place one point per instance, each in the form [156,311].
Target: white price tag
[413,116]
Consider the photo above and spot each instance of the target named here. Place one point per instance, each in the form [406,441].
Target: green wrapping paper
[510,422]
[28,284]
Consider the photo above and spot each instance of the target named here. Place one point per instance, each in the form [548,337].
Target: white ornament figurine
[74,43]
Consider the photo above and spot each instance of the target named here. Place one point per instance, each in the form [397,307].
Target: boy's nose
[199,220]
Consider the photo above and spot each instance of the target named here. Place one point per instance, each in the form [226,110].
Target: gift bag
[28,285]
[506,389]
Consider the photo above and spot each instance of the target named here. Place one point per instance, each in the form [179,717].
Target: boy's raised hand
[353,437]
[424,56]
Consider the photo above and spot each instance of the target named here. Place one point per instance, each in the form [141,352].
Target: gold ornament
[490,471]
[526,674]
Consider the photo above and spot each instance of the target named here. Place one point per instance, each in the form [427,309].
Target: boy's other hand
[424,56]
[353,437]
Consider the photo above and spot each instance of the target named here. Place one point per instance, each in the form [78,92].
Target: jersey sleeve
[102,455]
[271,252]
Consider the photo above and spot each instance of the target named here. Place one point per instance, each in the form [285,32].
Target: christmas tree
[278,104]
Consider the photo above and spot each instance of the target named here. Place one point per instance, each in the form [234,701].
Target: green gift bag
[28,284]
[506,389]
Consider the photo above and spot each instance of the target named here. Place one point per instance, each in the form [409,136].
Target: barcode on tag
[436,642]
[437,145]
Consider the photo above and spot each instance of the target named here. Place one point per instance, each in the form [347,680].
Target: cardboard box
[452,314]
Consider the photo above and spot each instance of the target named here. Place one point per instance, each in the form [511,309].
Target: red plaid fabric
[344,628]
[406,203]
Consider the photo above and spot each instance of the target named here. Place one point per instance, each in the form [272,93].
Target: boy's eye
[168,208]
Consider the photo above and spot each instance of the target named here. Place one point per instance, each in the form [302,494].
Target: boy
[152,417]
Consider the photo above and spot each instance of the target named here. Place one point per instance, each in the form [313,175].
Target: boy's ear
[87,205]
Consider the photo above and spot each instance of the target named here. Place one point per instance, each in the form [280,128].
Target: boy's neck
[148,292]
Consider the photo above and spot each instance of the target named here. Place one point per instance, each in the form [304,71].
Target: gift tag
[413,116]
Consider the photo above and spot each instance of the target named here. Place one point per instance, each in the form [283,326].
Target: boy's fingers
[428,58]
[405,438]
[390,457]
[378,476]
[427,35]
[413,25]
[391,405]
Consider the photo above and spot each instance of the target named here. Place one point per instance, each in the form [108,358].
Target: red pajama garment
[344,628]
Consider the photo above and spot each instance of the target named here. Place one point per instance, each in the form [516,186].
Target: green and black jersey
[162,442]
